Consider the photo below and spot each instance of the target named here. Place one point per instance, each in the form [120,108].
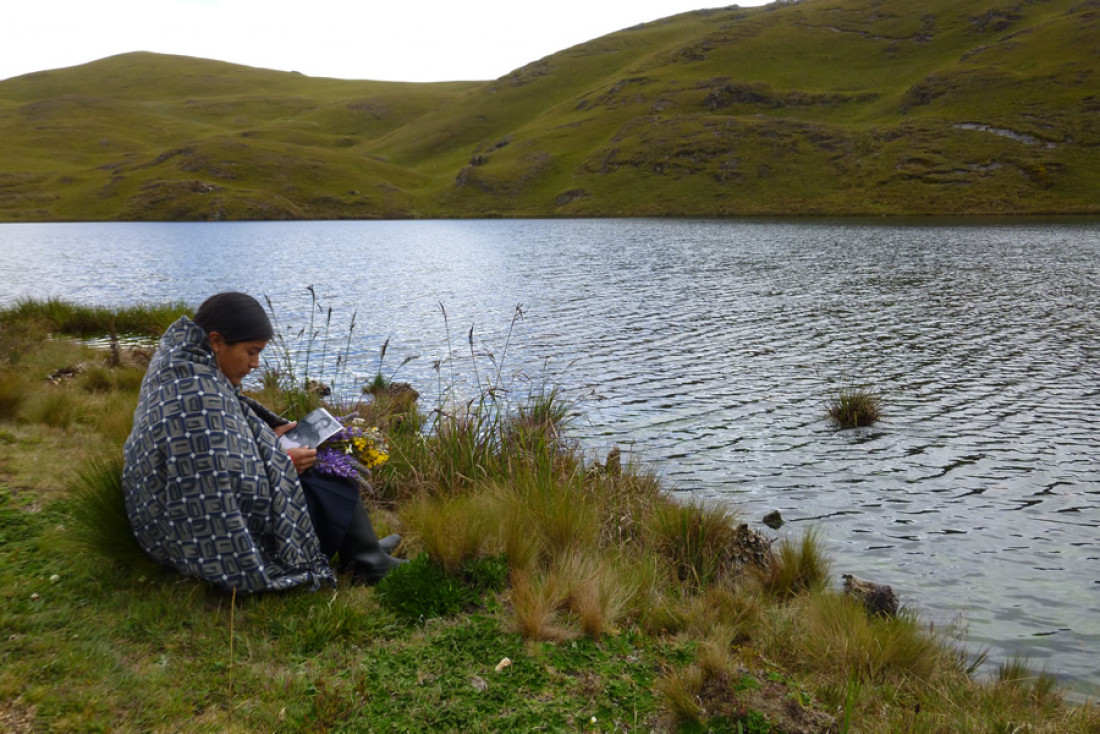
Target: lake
[709,349]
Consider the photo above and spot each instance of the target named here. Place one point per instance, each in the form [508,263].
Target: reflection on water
[711,348]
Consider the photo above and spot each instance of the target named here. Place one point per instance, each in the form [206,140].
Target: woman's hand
[303,458]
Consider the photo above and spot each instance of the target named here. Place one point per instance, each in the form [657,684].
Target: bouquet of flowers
[353,451]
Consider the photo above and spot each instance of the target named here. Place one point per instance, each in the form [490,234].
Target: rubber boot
[362,553]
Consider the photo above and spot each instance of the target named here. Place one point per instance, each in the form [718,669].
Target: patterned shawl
[208,491]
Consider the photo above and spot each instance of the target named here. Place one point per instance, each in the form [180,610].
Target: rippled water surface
[711,347]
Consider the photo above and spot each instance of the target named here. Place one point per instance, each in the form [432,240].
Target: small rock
[773,520]
[317,387]
[751,548]
[877,599]
[504,663]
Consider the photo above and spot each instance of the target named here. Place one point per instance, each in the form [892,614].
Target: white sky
[394,40]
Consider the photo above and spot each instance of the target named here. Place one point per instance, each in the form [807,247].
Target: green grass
[829,107]
[99,522]
[547,593]
[95,321]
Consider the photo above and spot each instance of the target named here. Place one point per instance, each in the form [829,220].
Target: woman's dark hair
[238,317]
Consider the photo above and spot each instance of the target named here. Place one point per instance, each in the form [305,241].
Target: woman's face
[238,359]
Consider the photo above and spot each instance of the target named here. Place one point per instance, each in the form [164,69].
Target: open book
[311,431]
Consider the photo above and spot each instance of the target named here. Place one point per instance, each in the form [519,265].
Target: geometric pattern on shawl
[208,491]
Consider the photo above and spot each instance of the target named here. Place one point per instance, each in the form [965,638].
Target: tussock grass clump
[457,451]
[699,539]
[536,599]
[1038,686]
[101,378]
[598,591]
[55,406]
[100,525]
[523,548]
[837,637]
[556,510]
[537,427]
[854,407]
[736,612]
[468,444]
[680,690]
[799,566]
[451,530]
[624,503]
[549,532]
[717,693]
[13,394]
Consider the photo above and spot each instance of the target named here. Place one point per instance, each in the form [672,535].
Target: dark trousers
[331,501]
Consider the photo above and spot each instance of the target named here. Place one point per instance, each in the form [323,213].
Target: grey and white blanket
[208,491]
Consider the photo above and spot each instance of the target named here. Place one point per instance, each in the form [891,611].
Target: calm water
[709,349]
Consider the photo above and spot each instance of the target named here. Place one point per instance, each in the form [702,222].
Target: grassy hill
[818,107]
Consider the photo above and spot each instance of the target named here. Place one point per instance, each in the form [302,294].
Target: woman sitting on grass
[208,490]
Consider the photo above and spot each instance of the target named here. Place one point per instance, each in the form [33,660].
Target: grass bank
[837,108]
[551,591]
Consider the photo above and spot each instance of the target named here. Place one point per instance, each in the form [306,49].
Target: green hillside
[817,107]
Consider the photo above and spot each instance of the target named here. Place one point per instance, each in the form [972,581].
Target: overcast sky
[394,40]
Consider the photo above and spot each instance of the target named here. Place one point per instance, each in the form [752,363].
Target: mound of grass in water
[854,407]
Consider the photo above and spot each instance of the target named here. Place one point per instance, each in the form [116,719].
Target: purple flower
[335,463]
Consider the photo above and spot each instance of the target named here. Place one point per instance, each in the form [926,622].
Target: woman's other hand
[303,458]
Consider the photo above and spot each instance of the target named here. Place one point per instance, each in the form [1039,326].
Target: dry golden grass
[838,637]
[536,599]
[601,589]
[451,530]
[624,501]
[698,539]
[523,548]
[798,566]
[713,656]
[679,690]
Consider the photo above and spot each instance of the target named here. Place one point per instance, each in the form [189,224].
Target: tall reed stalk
[289,372]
